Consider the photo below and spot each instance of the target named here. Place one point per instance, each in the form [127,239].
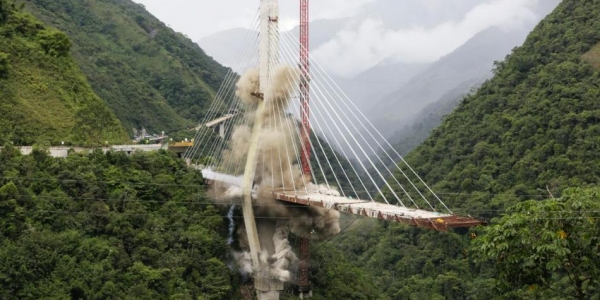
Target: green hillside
[44,96]
[529,133]
[148,74]
[108,226]
[113,226]
[535,124]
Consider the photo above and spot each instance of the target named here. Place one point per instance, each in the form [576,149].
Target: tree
[54,42]
[4,64]
[544,248]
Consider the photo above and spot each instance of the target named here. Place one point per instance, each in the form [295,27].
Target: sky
[201,18]
[364,43]
[370,42]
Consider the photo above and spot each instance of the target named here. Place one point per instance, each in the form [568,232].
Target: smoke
[277,169]
[244,263]
[284,257]
[248,87]
[231,225]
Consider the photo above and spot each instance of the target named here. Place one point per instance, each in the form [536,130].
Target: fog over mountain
[467,66]
[394,58]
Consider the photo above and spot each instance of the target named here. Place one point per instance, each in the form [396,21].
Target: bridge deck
[377,210]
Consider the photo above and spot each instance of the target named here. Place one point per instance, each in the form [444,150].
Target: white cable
[424,198]
[380,135]
[368,144]
[335,155]
[351,148]
[226,85]
[322,149]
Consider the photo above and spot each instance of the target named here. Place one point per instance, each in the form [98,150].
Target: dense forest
[108,227]
[149,75]
[112,226]
[44,95]
[530,133]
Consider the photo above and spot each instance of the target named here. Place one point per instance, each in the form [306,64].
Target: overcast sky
[200,18]
[366,41]
[370,42]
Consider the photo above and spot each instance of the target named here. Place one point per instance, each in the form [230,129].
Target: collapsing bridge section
[330,200]
[377,210]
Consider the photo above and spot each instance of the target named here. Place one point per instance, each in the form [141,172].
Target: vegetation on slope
[536,124]
[111,226]
[148,74]
[593,57]
[429,118]
[534,127]
[44,95]
[322,156]
[108,226]
[546,249]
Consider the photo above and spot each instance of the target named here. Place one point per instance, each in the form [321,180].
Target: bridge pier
[260,233]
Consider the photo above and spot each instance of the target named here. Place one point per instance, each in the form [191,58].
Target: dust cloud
[277,169]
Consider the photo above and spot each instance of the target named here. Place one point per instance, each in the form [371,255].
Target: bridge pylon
[261,231]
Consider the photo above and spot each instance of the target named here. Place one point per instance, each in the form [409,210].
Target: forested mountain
[108,227]
[149,75]
[469,64]
[429,118]
[112,226]
[536,123]
[225,45]
[44,96]
[529,133]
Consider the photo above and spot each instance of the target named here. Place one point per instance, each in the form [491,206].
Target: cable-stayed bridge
[282,155]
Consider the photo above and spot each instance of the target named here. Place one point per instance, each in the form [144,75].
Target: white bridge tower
[267,287]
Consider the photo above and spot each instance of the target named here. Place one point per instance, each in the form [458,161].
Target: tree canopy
[534,127]
[546,249]
[108,226]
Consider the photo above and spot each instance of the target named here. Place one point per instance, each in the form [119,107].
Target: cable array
[348,153]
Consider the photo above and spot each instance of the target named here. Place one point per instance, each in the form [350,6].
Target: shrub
[54,42]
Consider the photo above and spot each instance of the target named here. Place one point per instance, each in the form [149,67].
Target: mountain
[45,97]
[370,86]
[472,62]
[150,75]
[530,132]
[429,118]
[224,46]
[534,124]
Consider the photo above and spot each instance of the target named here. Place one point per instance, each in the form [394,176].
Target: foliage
[533,127]
[335,277]
[44,95]
[108,226]
[149,75]
[54,42]
[541,249]
[593,57]
[4,65]
[535,124]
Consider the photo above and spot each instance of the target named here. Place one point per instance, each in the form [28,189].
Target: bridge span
[331,200]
